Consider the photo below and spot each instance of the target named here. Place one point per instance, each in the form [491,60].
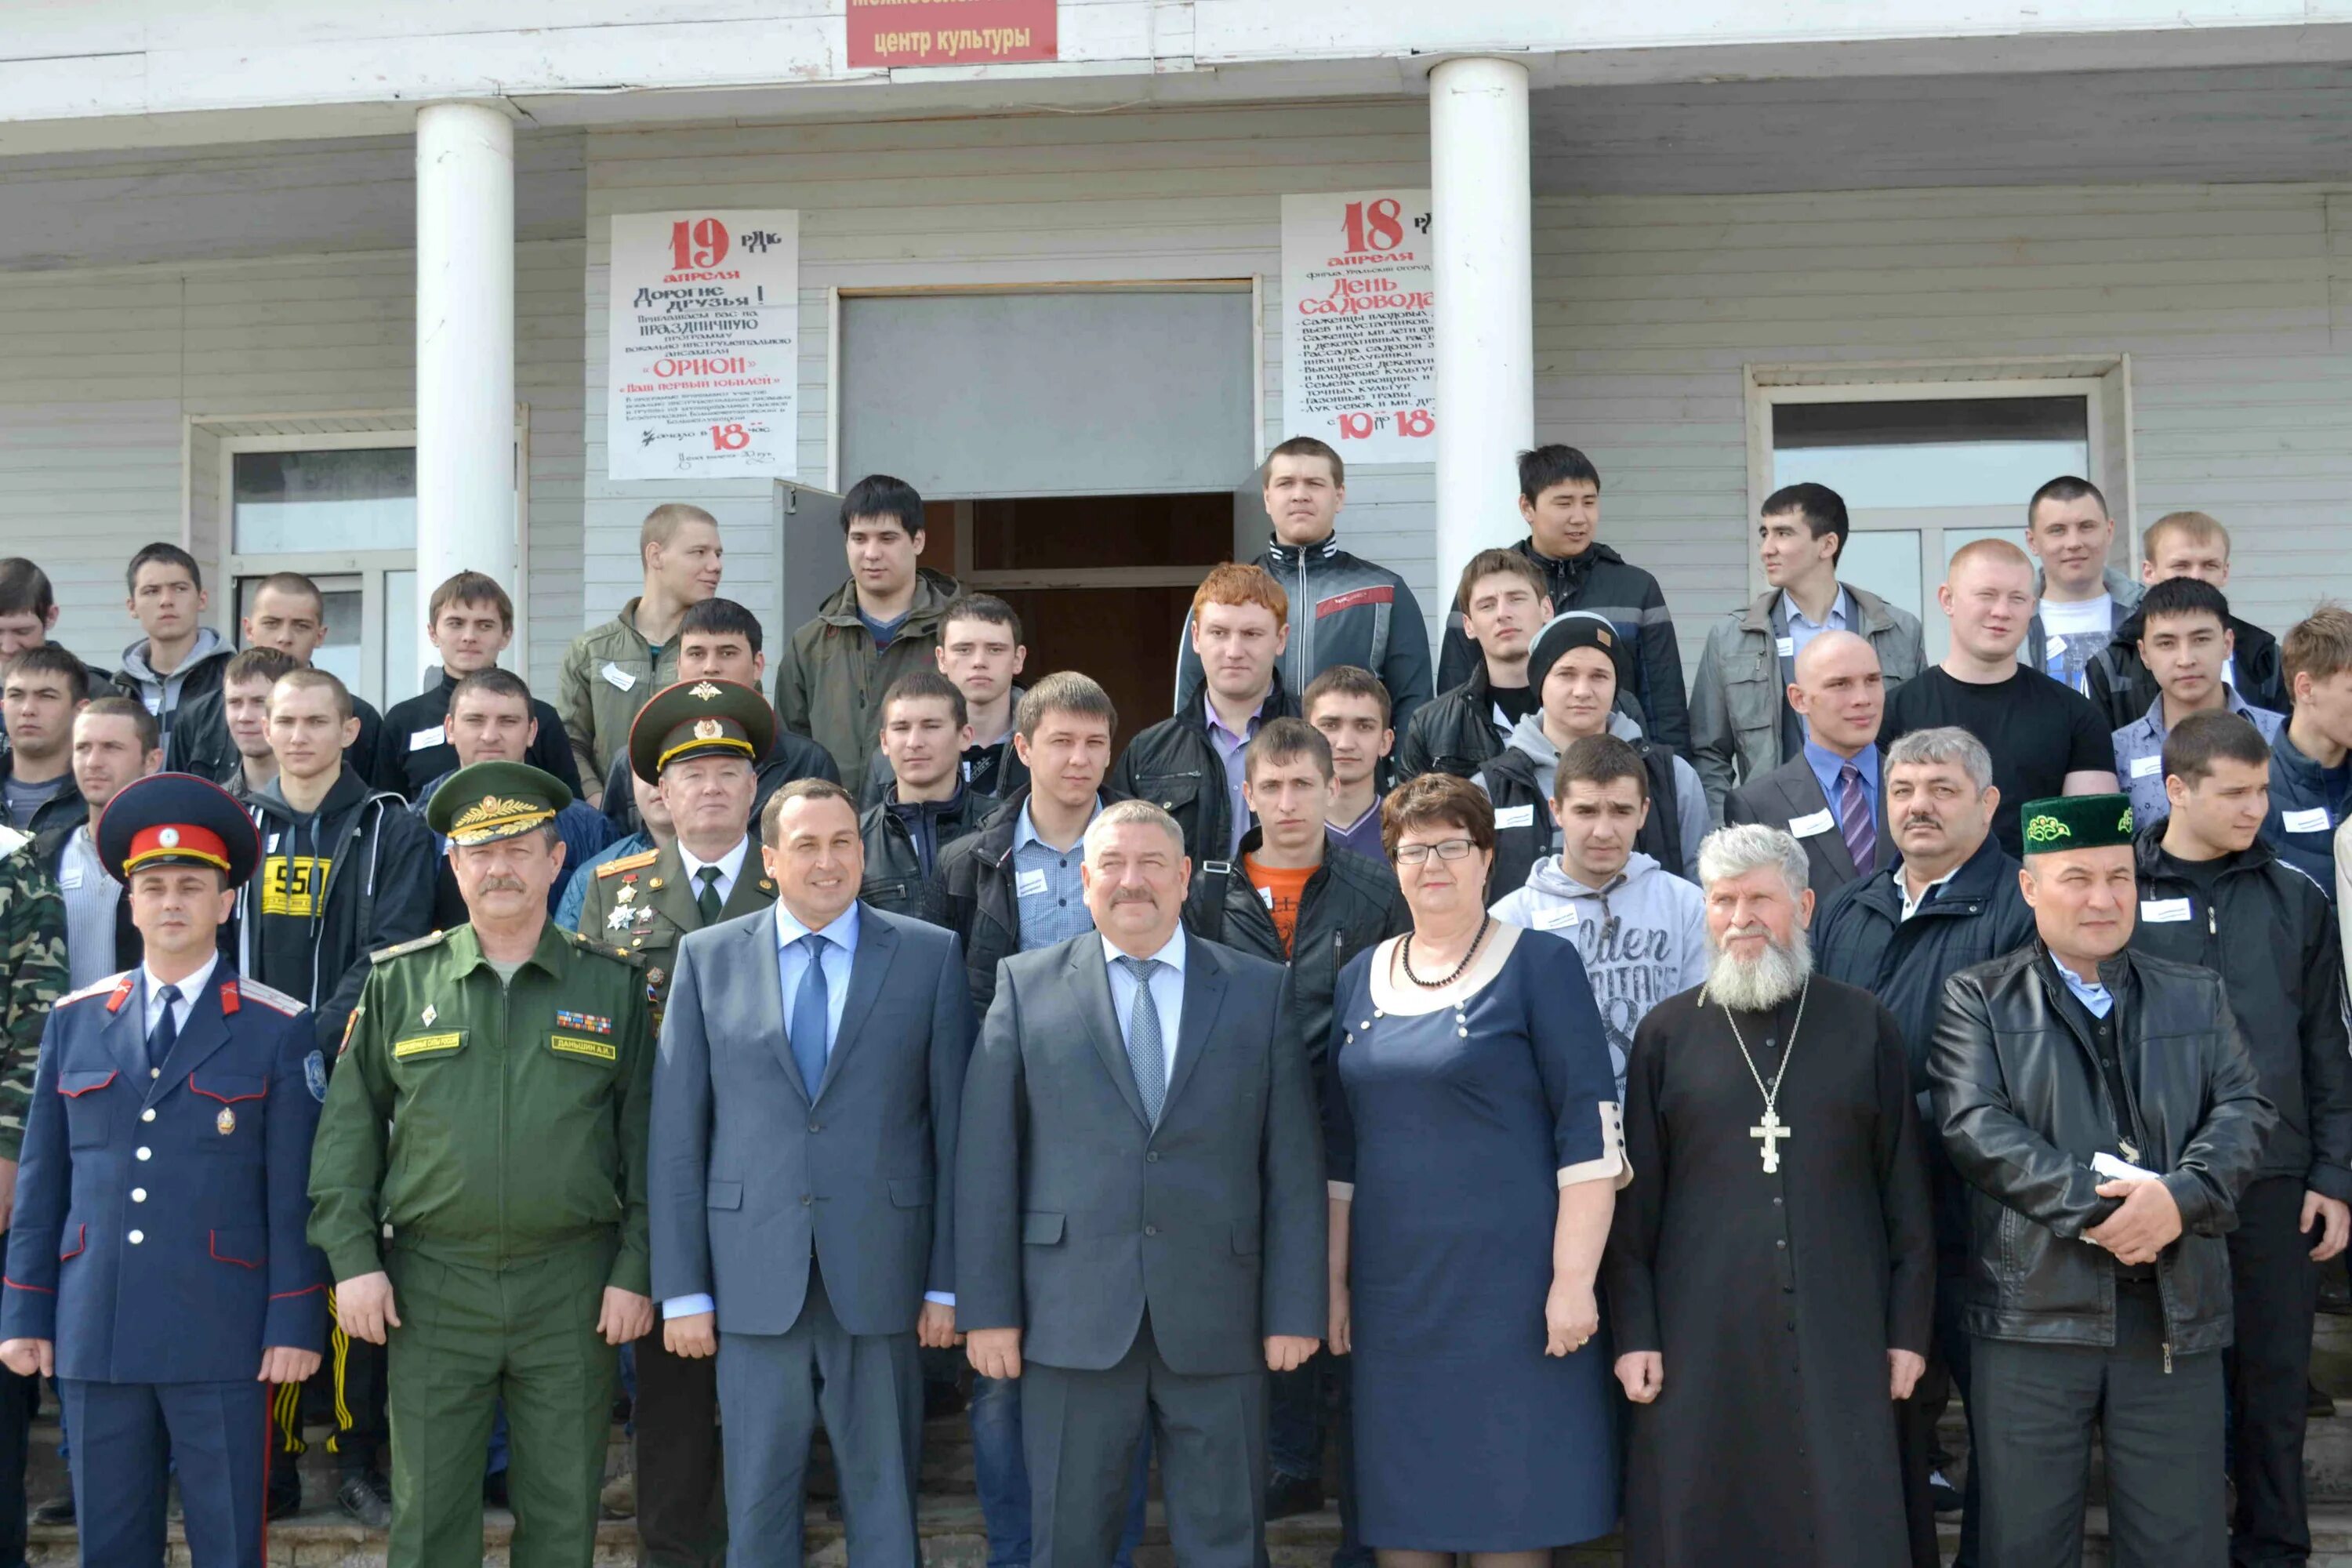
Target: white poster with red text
[1360,324]
[702,363]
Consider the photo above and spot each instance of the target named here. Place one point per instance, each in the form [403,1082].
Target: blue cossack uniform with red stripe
[158,1234]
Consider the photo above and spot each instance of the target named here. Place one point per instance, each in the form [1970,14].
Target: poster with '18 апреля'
[1360,324]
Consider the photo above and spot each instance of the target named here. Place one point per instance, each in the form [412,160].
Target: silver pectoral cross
[1770,1132]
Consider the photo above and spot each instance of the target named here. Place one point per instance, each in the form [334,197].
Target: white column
[1482,243]
[465,348]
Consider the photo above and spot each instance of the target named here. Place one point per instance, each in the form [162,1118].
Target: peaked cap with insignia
[177,819]
[489,801]
[701,718]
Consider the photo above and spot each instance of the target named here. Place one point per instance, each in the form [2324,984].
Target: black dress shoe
[58,1510]
[1293,1495]
[359,1498]
[1942,1495]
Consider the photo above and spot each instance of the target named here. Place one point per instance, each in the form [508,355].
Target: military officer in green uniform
[489,1110]
[699,743]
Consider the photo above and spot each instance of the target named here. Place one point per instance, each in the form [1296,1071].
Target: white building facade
[300,291]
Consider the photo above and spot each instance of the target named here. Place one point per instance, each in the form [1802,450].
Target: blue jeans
[1002,1476]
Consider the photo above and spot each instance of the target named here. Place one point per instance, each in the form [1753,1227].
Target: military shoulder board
[267,996]
[95,988]
[429,940]
[605,949]
[628,863]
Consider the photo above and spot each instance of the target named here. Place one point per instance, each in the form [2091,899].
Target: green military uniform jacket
[608,674]
[644,903]
[32,976]
[485,1124]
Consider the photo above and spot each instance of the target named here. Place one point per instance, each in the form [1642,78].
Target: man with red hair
[1191,765]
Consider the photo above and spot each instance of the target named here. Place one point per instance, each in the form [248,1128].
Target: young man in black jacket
[1191,765]
[345,872]
[926,805]
[1290,896]
[1342,609]
[469,621]
[2212,893]
[2183,545]
[1559,500]
[175,668]
[1502,602]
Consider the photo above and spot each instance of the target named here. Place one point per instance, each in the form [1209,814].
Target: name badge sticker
[1265,897]
[1556,920]
[1030,885]
[1809,825]
[2163,911]
[2145,767]
[425,740]
[2312,821]
[1788,647]
[1516,816]
[620,680]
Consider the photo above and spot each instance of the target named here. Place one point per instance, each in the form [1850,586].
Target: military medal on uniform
[226,1122]
[1772,1130]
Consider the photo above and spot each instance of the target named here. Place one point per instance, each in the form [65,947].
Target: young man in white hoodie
[1576,666]
[1642,930]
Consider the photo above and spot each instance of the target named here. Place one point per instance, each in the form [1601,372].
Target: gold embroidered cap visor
[490,801]
[2075,822]
[701,718]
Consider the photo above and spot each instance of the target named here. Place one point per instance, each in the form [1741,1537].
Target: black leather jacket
[2024,1106]
[1350,903]
[896,880]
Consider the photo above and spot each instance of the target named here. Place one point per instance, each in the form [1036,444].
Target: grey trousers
[868,1388]
[2036,1407]
[1079,1432]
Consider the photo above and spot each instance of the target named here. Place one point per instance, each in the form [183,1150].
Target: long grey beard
[1763,982]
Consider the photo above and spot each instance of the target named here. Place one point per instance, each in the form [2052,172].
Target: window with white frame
[339,508]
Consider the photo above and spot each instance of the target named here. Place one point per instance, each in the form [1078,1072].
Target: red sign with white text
[950,32]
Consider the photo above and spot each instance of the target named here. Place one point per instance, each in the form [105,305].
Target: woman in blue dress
[1475,1151]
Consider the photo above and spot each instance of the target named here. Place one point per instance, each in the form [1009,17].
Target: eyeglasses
[1444,849]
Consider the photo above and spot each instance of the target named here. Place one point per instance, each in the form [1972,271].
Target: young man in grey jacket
[1741,725]
[1639,929]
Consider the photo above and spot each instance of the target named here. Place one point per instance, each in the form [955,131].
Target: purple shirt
[1230,749]
[1362,836]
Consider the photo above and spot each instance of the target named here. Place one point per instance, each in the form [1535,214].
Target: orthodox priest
[1770,1270]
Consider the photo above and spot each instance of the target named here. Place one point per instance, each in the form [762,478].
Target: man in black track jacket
[2212,893]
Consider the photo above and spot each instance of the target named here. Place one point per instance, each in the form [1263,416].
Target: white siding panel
[2230,301]
[1020,200]
[99,371]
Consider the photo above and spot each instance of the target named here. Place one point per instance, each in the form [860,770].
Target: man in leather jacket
[2101,1104]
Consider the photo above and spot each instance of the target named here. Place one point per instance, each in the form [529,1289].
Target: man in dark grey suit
[801,1180]
[1828,797]
[1139,1208]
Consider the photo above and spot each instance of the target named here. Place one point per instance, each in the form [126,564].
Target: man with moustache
[2090,1093]
[1949,900]
[1772,1263]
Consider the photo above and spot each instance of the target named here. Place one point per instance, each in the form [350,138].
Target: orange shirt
[1278,889]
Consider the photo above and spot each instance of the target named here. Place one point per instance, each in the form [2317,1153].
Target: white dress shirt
[1167,992]
[192,987]
[730,866]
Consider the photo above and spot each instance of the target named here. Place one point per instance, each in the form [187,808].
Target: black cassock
[1773,1299]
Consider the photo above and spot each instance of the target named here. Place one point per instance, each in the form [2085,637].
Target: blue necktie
[811,1012]
[166,1032]
[1147,1053]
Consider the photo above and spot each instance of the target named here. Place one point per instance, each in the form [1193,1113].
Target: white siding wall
[1047,199]
[99,369]
[2229,299]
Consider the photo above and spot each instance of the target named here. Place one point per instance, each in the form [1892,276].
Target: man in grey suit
[1139,1211]
[801,1180]
[1828,797]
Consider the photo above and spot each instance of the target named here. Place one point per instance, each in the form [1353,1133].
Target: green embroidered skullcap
[2076,822]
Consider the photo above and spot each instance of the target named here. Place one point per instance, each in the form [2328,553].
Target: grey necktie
[1147,1055]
